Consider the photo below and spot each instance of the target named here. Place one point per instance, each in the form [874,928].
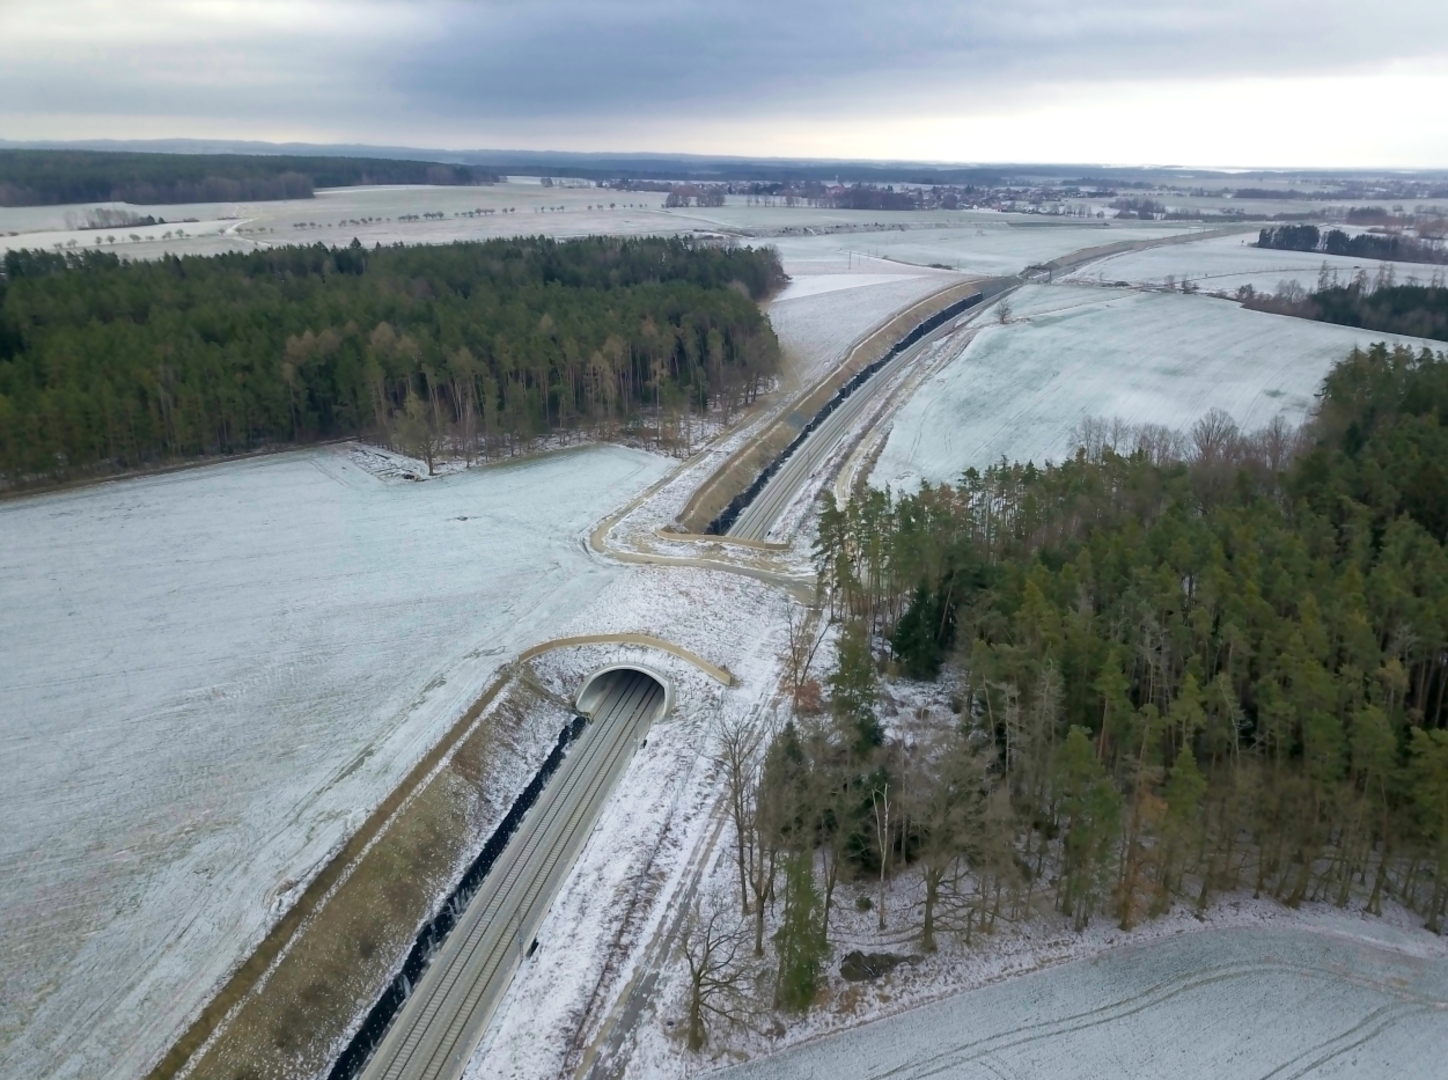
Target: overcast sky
[1200,82]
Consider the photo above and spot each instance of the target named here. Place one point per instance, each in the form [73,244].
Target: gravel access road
[449,1011]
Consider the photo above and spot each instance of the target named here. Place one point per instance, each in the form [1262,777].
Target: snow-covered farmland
[385,215]
[971,241]
[420,214]
[1017,391]
[819,315]
[985,243]
[210,677]
[1271,1001]
[1225,263]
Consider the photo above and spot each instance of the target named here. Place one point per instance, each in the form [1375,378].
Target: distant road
[448,1013]
[760,516]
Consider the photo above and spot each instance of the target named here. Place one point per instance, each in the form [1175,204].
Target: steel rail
[446,1016]
[760,516]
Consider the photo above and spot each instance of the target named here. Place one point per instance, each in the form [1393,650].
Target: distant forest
[1362,246]
[52,177]
[472,349]
[1417,310]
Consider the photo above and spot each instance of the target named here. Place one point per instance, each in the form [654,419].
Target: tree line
[470,348]
[1181,664]
[1365,245]
[1379,304]
[52,177]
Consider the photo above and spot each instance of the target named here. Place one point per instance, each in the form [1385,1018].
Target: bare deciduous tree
[945,801]
[1214,438]
[806,631]
[880,801]
[710,945]
[738,757]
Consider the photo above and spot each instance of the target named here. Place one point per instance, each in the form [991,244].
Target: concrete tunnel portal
[629,694]
[434,1025]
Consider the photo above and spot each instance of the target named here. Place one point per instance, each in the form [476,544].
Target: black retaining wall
[730,514]
[435,931]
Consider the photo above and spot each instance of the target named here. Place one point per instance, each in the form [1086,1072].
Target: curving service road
[759,518]
[448,1013]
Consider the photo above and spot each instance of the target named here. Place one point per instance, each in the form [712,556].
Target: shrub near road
[472,348]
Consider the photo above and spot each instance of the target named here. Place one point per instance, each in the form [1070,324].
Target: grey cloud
[565,57]
[502,66]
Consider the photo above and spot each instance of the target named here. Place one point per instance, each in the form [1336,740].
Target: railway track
[446,1016]
[758,519]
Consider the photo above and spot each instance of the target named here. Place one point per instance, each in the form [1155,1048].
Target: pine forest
[473,349]
[1179,665]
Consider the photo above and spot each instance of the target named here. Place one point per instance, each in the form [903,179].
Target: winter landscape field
[215,675]
[982,242]
[1228,1002]
[820,314]
[1226,263]
[212,676]
[371,215]
[1017,391]
[972,241]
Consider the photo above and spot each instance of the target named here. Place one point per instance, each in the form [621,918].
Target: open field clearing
[818,316]
[973,241]
[1163,358]
[371,215]
[989,244]
[211,677]
[1231,1002]
[376,215]
[1225,263]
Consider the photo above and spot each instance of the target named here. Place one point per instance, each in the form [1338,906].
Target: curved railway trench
[446,1015]
[756,520]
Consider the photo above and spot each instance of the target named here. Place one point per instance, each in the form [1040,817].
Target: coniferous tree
[800,938]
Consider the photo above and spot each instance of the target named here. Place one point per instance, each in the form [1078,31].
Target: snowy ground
[370,214]
[1341,999]
[1226,263]
[972,241]
[1165,358]
[264,648]
[639,865]
[989,244]
[1124,1004]
[210,678]
[820,315]
[374,215]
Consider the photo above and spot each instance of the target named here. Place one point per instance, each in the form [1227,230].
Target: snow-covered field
[370,214]
[209,679]
[986,243]
[1163,358]
[1225,263]
[375,215]
[971,241]
[819,315]
[1240,1002]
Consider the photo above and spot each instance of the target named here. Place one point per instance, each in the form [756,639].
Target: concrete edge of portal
[714,671]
